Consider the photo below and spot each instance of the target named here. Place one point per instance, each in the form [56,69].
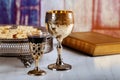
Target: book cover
[93,43]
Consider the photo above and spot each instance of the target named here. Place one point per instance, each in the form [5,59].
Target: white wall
[50,5]
[82,11]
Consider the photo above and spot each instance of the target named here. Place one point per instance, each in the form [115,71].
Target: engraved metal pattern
[37,50]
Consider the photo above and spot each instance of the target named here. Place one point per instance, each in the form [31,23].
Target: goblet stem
[59,50]
[59,65]
[36,64]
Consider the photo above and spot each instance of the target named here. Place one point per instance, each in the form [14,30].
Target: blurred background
[101,16]
[25,12]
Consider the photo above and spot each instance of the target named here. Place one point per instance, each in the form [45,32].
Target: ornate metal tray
[17,47]
[13,47]
[20,48]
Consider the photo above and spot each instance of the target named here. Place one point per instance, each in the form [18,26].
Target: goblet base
[59,67]
[36,72]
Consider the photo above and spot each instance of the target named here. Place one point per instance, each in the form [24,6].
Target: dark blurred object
[20,12]
[7,12]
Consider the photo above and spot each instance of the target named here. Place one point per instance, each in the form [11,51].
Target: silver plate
[17,47]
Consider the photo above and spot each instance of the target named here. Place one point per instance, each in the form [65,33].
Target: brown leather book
[93,43]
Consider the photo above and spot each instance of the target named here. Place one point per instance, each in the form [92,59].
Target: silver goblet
[59,24]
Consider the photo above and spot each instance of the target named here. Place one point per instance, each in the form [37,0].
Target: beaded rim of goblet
[65,17]
[59,11]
